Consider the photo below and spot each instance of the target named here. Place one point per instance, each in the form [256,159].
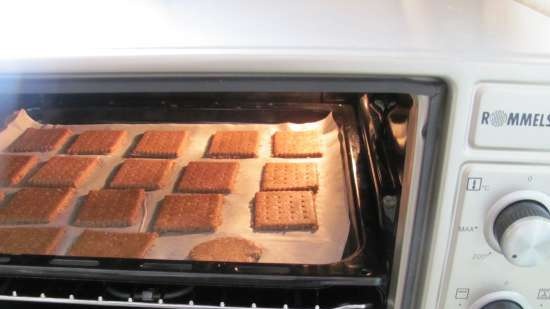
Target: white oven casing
[476,47]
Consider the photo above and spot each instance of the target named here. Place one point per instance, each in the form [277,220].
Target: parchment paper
[325,245]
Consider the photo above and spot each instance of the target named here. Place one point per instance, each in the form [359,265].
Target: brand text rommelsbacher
[500,118]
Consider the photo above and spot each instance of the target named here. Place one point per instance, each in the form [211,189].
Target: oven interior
[375,132]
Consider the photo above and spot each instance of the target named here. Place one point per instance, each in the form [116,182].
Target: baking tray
[359,264]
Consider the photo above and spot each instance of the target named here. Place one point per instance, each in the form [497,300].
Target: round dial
[501,300]
[518,226]
[502,304]
[523,232]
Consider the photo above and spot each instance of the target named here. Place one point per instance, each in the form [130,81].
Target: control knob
[502,304]
[521,228]
[501,300]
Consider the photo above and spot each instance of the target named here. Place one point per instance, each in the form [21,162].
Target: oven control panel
[501,246]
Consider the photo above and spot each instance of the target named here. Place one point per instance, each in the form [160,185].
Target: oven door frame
[435,89]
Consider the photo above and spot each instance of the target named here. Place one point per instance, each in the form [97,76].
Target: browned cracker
[208,177]
[40,140]
[161,144]
[36,205]
[30,240]
[111,208]
[2,197]
[148,174]
[64,171]
[227,249]
[97,142]
[233,144]
[13,168]
[112,244]
[190,213]
[297,144]
[289,177]
[284,211]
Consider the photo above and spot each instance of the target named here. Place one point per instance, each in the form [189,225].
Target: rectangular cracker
[297,144]
[290,177]
[233,144]
[36,205]
[161,144]
[208,177]
[190,213]
[30,240]
[112,244]
[111,208]
[148,174]
[64,171]
[285,211]
[40,140]
[97,142]
[13,168]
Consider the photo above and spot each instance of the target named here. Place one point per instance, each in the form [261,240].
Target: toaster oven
[439,111]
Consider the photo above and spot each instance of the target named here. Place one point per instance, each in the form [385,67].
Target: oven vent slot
[130,303]
[127,295]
